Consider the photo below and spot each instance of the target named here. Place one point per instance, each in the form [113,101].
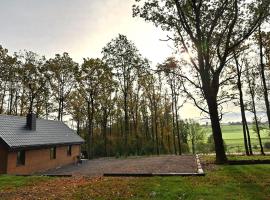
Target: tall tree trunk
[169,144]
[92,125]
[78,126]
[59,110]
[104,130]
[173,128]
[177,122]
[265,91]
[3,99]
[11,95]
[16,103]
[257,124]
[152,128]
[22,100]
[89,130]
[248,138]
[126,123]
[90,114]
[31,103]
[192,133]
[110,132]
[156,128]
[242,107]
[216,130]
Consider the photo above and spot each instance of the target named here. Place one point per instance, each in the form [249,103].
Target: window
[69,150]
[53,153]
[21,158]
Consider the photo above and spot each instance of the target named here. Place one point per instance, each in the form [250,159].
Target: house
[29,145]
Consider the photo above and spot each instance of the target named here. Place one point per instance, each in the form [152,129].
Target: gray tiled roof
[13,131]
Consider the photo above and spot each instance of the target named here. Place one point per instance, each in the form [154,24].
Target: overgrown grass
[11,182]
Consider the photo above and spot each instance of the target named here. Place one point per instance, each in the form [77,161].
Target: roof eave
[37,146]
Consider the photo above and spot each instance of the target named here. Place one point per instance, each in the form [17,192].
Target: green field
[233,137]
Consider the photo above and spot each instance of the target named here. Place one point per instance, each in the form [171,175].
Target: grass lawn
[13,182]
[221,182]
[226,182]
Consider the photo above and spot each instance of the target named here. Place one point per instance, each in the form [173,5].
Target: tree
[89,79]
[251,79]
[170,68]
[262,73]
[123,58]
[106,103]
[209,32]
[195,134]
[239,84]
[148,83]
[76,108]
[7,78]
[34,80]
[62,72]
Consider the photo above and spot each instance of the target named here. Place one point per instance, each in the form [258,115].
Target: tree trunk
[248,138]
[265,91]
[192,134]
[59,110]
[177,124]
[78,126]
[173,129]
[156,128]
[242,107]
[216,130]
[10,101]
[104,130]
[89,130]
[3,99]
[257,124]
[90,114]
[126,124]
[92,125]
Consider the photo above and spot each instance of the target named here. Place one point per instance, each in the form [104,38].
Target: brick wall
[39,160]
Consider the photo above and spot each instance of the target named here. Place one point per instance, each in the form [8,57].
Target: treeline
[123,106]
[118,103]
[214,34]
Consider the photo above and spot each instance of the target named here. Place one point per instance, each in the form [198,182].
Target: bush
[202,148]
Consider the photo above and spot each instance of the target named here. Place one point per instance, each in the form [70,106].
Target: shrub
[202,147]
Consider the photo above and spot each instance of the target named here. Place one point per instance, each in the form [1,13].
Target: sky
[82,28]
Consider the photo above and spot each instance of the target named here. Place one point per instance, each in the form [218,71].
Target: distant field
[233,137]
